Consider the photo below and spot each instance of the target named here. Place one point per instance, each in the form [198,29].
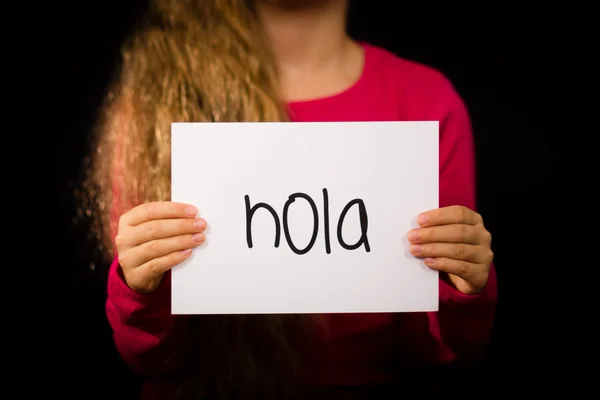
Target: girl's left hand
[454,240]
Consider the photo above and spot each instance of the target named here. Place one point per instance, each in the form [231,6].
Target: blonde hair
[190,60]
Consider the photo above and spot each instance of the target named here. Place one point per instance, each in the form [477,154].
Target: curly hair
[190,61]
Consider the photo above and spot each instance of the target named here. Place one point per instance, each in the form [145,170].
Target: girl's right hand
[153,238]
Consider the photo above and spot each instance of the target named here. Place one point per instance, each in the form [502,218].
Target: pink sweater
[364,349]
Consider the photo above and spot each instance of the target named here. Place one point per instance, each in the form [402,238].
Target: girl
[275,60]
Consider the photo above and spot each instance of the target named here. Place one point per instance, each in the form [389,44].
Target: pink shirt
[364,349]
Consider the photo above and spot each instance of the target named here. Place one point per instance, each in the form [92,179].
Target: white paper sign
[305,217]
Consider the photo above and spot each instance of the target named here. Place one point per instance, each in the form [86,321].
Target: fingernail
[416,249]
[413,235]
[186,252]
[191,210]
[199,223]
[198,237]
[430,261]
[423,219]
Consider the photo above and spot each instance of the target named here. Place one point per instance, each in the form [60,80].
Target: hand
[153,238]
[454,240]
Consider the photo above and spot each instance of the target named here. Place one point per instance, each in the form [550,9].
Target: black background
[526,79]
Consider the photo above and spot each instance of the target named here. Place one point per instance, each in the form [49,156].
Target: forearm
[463,324]
[145,333]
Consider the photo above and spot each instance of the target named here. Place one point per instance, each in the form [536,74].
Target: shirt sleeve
[462,326]
[146,334]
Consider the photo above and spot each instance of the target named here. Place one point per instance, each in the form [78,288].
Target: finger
[455,233]
[164,228]
[158,248]
[456,251]
[449,215]
[158,210]
[451,266]
[158,266]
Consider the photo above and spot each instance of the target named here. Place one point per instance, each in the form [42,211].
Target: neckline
[346,92]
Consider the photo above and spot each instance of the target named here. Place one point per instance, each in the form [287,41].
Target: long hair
[191,61]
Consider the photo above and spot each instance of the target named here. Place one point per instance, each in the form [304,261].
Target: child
[278,60]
